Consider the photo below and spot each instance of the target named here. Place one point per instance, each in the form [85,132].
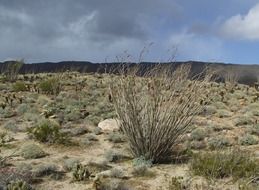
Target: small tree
[156,110]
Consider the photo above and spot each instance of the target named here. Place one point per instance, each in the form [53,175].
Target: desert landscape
[129,95]
[61,131]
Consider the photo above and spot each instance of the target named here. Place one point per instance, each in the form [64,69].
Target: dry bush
[231,77]
[11,70]
[155,110]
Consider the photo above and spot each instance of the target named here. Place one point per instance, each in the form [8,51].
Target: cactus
[80,173]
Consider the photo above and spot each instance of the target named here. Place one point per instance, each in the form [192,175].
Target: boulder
[109,125]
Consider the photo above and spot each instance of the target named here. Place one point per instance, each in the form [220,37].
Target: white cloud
[195,47]
[243,26]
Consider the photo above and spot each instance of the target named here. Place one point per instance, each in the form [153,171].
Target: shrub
[244,120]
[70,163]
[23,108]
[254,130]
[8,112]
[224,113]
[18,185]
[116,138]
[48,132]
[12,69]
[198,134]
[113,156]
[197,145]
[50,86]
[91,137]
[97,131]
[157,109]
[209,110]
[9,175]
[141,166]
[176,184]
[220,127]
[81,173]
[248,140]
[3,138]
[73,116]
[19,86]
[45,170]
[117,173]
[221,164]
[218,142]
[11,126]
[32,151]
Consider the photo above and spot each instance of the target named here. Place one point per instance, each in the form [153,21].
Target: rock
[109,125]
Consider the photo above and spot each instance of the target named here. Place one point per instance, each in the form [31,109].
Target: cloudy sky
[99,30]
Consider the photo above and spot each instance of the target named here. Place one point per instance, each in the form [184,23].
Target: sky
[114,30]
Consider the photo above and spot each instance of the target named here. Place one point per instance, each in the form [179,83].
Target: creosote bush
[48,132]
[156,109]
[51,86]
[221,164]
[19,86]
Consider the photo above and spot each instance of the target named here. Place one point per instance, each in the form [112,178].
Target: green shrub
[31,117]
[73,116]
[48,132]
[198,134]
[91,137]
[11,126]
[23,108]
[221,164]
[218,142]
[113,156]
[50,86]
[210,110]
[244,120]
[220,105]
[8,112]
[31,151]
[219,127]
[45,170]
[18,185]
[223,113]
[116,138]
[254,130]
[97,131]
[19,86]
[248,140]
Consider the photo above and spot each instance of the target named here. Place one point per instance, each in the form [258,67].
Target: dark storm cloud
[30,28]
[53,30]
[115,19]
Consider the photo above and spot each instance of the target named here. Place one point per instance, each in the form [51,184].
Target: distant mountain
[248,73]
